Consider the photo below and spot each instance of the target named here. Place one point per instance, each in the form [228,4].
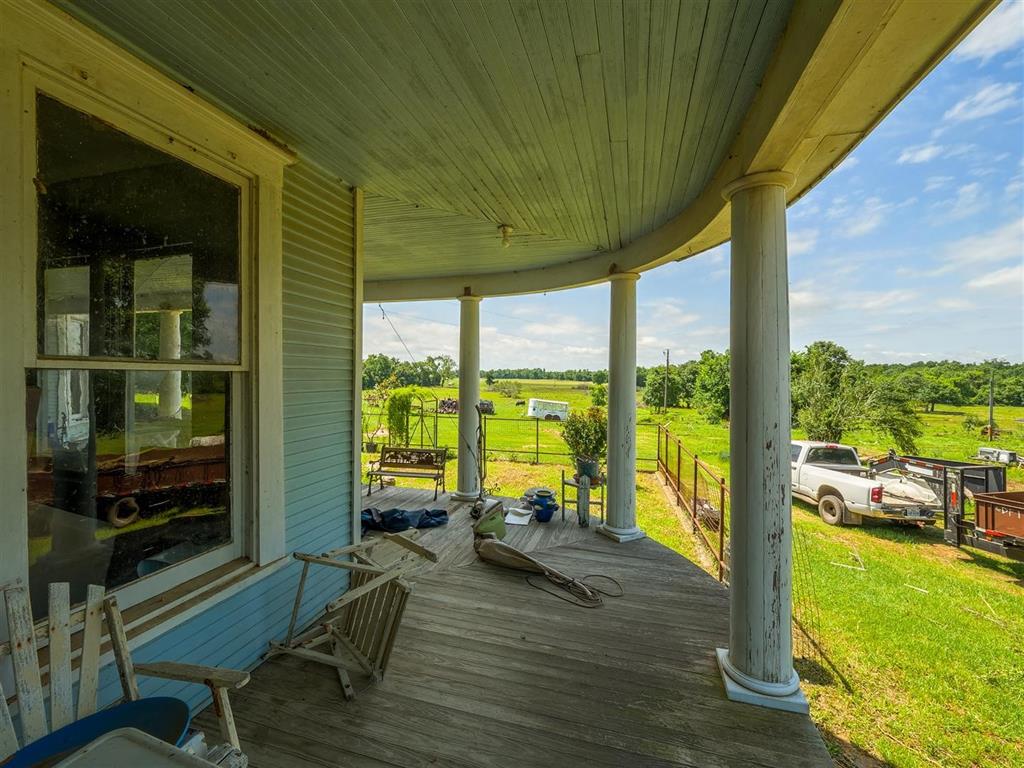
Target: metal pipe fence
[522,439]
[701,491]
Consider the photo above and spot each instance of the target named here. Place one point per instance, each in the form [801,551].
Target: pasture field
[922,663]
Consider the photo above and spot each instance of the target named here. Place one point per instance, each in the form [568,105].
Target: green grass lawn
[929,639]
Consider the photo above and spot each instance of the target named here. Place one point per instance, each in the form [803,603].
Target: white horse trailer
[549,410]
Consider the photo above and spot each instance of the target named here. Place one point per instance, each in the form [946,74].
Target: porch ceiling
[600,131]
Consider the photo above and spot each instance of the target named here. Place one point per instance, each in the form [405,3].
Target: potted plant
[586,435]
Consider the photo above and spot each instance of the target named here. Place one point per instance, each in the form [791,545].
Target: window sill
[161,613]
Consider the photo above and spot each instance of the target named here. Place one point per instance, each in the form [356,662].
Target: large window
[132,404]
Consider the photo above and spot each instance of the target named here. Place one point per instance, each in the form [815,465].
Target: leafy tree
[599,394]
[833,394]
[376,368]
[439,368]
[654,395]
[600,377]
[711,386]
[687,374]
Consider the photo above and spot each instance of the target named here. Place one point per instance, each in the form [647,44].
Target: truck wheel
[831,509]
[124,512]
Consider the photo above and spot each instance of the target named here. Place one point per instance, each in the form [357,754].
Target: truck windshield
[827,455]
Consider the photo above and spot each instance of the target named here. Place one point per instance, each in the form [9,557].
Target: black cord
[580,593]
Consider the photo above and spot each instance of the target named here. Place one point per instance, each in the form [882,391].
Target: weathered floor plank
[489,672]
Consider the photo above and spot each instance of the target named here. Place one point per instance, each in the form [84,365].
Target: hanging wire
[385,316]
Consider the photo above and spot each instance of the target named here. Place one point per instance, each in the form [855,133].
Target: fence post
[693,509]
[721,529]
[658,459]
[679,467]
[536,442]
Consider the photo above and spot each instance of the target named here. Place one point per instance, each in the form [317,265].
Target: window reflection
[138,250]
[121,482]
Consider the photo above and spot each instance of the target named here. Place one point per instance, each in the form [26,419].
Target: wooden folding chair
[30,672]
[364,621]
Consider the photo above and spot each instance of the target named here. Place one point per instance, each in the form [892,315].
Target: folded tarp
[397,520]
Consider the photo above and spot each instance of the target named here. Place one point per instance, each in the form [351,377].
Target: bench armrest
[216,677]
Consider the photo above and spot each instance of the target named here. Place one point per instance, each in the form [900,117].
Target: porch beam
[757,667]
[620,521]
[469,397]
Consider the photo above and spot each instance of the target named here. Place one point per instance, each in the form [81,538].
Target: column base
[621,535]
[465,495]
[795,701]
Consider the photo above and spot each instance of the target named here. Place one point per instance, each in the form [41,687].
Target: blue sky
[913,249]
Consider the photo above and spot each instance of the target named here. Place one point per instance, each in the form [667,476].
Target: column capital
[624,276]
[782,179]
[466,297]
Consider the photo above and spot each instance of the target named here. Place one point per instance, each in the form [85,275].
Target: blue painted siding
[317,433]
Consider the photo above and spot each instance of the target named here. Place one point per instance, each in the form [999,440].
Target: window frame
[239,546]
[42,49]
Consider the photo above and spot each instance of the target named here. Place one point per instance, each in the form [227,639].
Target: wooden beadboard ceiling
[583,124]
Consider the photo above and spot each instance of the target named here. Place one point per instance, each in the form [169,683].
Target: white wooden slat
[25,654]
[62,707]
[8,736]
[636,33]
[675,176]
[122,654]
[460,63]
[89,666]
[728,74]
[660,57]
[559,79]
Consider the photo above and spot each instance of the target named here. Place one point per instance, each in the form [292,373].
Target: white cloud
[990,100]
[1004,243]
[954,305]
[867,219]
[968,201]
[1008,279]
[801,241]
[921,153]
[933,183]
[1002,30]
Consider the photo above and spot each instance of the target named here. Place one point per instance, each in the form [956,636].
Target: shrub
[599,395]
[586,434]
[972,423]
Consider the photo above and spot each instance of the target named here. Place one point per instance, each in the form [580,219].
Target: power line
[385,316]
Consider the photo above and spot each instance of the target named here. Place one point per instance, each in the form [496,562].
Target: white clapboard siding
[318,439]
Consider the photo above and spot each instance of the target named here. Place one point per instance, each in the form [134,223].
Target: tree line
[432,372]
[833,393]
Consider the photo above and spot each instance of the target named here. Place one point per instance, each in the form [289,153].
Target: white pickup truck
[832,477]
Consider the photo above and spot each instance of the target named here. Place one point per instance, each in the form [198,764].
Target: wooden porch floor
[488,671]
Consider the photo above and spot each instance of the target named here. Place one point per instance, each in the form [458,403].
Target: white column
[170,349]
[620,519]
[469,397]
[758,666]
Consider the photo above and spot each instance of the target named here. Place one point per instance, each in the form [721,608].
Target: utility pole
[664,393]
[991,405]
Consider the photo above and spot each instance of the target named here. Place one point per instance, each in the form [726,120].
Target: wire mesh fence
[701,491]
[514,439]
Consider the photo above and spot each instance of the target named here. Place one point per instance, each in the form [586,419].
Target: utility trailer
[998,525]
[998,521]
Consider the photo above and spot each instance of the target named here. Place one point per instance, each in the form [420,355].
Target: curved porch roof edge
[839,69]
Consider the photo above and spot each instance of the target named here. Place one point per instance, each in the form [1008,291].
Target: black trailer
[954,481]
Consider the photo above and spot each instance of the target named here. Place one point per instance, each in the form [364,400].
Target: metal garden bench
[418,463]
